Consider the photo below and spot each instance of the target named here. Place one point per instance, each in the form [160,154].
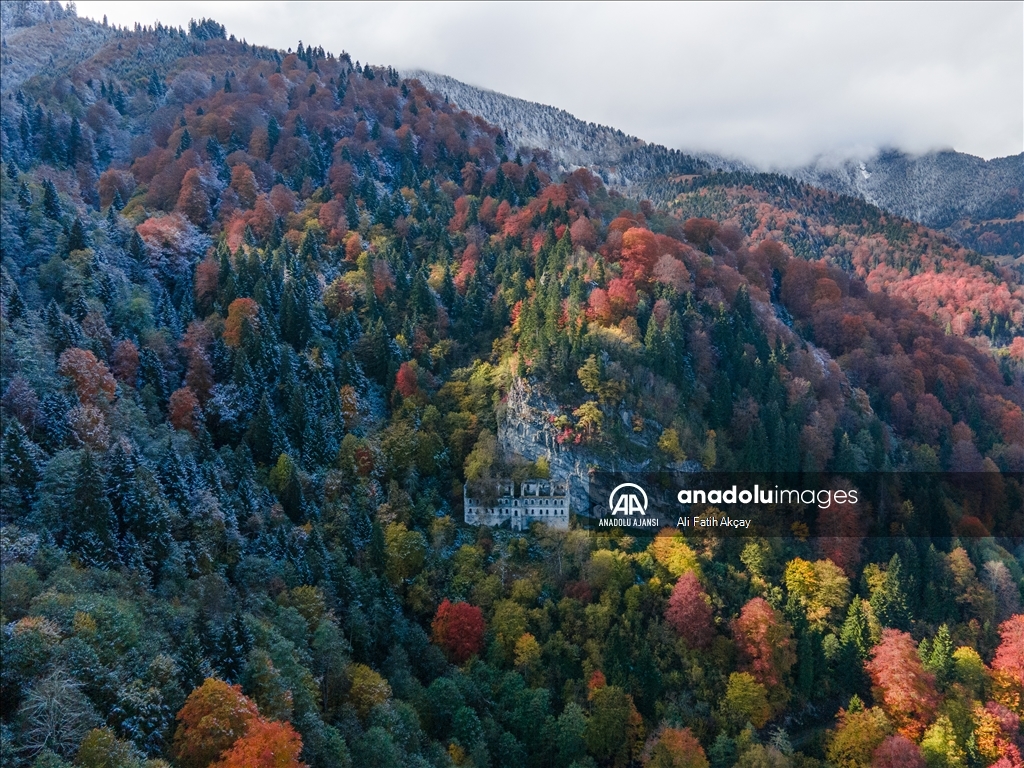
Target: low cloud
[776,84]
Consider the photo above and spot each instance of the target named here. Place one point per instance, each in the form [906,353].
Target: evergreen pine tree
[165,315]
[138,503]
[273,132]
[296,323]
[92,525]
[193,665]
[20,471]
[140,259]
[654,346]
[342,86]
[155,87]
[318,559]
[855,643]
[51,201]
[265,438]
[77,239]
[889,601]
[151,373]
[24,196]
[939,657]
[232,648]
[54,410]
[13,304]
[178,476]
[184,143]
[352,212]
[74,141]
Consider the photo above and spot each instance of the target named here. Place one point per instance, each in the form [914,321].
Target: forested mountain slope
[966,293]
[977,202]
[260,317]
[620,160]
[44,36]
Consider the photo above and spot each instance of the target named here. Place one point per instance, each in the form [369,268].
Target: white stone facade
[538,501]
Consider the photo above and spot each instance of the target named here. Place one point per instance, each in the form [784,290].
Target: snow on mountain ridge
[937,188]
[621,160]
[943,189]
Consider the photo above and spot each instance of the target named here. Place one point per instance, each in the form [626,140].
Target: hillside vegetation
[260,316]
[975,201]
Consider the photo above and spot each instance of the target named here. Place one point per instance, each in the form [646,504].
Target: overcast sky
[776,84]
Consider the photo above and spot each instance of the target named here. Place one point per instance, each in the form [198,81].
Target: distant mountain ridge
[620,159]
[936,188]
[975,200]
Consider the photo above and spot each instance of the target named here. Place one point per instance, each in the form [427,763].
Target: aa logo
[627,498]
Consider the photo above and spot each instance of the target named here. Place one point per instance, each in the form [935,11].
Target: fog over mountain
[773,83]
[943,189]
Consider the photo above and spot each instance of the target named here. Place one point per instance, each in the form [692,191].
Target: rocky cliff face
[524,430]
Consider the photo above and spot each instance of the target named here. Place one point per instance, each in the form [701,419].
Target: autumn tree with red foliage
[840,536]
[583,233]
[199,374]
[700,232]
[183,409]
[671,271]
[901,683]
[407,379]
[600,308]
[765,644]
[115,182]
[897,752]
[90,376]
[171,239]
[623,297]
[1008,664]
[193,201]
[689,611]
[639,253]
[244,183]
[124,362]
[459,629]
[205,283]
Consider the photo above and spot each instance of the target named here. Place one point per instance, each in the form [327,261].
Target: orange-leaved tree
[182,409]
[266,744]
[240,311]
[214,717]
[674,748]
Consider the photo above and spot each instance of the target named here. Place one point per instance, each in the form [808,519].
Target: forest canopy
[264,313]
